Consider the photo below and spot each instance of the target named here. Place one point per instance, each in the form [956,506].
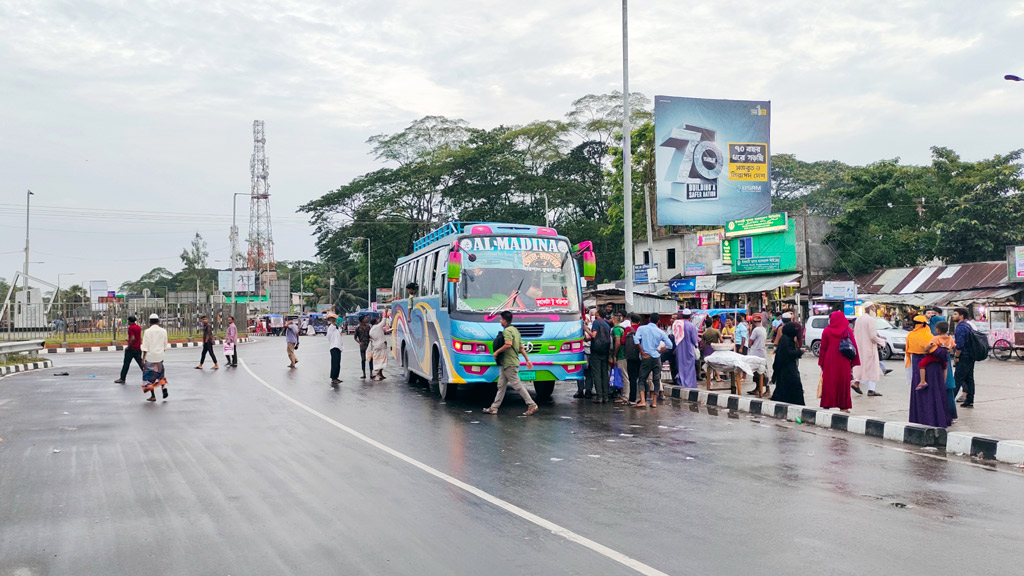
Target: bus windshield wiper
[508,302]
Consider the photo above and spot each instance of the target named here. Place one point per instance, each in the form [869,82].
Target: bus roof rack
[445,230]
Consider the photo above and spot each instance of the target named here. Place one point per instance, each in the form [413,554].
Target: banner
[713,160]
[695,269]
[839,291]
[245,281]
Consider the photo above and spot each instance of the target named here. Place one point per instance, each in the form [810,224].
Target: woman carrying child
[929,400]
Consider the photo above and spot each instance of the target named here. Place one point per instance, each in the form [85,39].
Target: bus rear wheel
[439,384]
[544,390]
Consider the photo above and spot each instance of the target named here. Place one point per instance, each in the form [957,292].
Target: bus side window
[430,275]
[442,277]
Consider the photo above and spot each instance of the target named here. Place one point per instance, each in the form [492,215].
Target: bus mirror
[454,265]
[589,266]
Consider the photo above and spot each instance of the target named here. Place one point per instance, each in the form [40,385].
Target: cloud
[149,104]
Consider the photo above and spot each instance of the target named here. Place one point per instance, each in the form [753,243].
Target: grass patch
[16,359]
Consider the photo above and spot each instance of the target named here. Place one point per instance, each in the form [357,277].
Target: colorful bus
[466,274]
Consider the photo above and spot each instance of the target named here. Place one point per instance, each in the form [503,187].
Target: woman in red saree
[836,369]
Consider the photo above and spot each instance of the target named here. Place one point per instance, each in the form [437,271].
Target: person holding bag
[834,358]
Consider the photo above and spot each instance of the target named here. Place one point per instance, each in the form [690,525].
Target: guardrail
[19,347]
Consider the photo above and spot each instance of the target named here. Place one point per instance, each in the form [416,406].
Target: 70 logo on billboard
[701,163]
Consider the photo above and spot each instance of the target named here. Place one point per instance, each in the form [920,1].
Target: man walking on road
[231,339]
[291,338]
[362,336]
[154,343]
[508,358]
[207,344]
[132,350]
[652,341]
[963,375]
[335,345]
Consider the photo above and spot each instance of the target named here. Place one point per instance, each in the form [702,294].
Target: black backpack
[977,344]
[601,344]
[499,341]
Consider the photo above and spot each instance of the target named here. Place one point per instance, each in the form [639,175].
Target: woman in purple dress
[928,405]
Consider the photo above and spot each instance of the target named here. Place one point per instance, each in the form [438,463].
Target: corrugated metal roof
[953,278]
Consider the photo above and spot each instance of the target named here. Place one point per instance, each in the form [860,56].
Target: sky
[132,121]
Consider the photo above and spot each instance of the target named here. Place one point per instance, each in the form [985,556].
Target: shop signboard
[695,269]
[645,273]
[706,283]
[777,222]
[720,266]
[712,160]
[710,238]
[726,255]
[769,253]
[683,285]
[1015,263]
[839,291]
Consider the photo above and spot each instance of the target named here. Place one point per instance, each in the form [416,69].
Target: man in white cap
[154,343]
[687,343]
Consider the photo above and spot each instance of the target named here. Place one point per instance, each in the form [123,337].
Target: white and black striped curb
[982,447]
[5,370]
[120,347]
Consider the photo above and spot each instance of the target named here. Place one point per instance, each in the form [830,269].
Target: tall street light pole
[234,247]
[627,164]
[28,202]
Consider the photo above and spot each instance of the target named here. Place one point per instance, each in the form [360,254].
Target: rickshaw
[1006,331]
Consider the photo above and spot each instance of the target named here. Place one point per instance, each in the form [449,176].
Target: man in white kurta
[865,332]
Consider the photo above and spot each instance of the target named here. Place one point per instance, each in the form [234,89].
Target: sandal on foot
[490,411]
[530,410]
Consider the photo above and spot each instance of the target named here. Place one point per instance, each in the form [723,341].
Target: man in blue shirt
[742,336]
[964,373]
[652,341]
[291,338]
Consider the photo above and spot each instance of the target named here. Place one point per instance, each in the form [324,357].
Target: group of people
[147,350]
[938,365]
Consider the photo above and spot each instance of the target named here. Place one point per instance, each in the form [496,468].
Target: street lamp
[1013,78]
[234,245]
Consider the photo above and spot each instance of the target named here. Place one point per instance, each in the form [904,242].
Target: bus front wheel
[439,384]
[544,390]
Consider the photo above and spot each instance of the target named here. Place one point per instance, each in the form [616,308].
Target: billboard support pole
[807,263]
[627,165]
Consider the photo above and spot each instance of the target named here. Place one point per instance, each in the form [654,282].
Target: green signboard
[759,264]
[765,253]
[777,222]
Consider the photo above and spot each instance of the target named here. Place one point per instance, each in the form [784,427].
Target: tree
[156,277]
[885,224]
[194,259]
[982,210]
[821,185]
[599,116]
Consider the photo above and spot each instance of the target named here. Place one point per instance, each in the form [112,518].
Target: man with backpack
[601,348]
[965,355]
[620,333]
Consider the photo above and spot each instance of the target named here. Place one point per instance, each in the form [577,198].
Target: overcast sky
[132,121]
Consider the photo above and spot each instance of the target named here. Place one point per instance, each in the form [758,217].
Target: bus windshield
[546,280]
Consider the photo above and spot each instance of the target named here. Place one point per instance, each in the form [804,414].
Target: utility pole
[807,262]
[28,202]
[627,163]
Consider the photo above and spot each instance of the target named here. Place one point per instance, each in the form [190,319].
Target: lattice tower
[261,237]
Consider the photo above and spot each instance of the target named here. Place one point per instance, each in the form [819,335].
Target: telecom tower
[261,237]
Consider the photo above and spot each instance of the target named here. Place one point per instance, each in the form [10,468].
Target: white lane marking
[485,496]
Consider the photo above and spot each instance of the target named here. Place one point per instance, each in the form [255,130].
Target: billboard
[713,160]
[1015,263]
[245,281]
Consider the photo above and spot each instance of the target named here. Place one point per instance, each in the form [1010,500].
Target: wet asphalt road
[229,477]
